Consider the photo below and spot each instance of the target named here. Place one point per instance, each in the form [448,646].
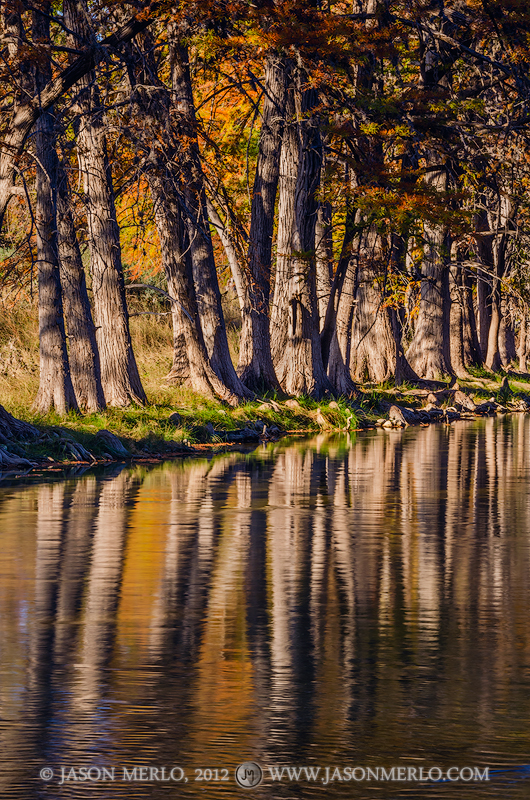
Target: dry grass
[19,356]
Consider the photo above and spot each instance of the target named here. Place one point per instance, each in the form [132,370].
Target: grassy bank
[149,429]
[154,429]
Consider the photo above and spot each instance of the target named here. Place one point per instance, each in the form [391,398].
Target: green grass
[483,372]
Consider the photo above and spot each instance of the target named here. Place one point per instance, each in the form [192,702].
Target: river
[355,608]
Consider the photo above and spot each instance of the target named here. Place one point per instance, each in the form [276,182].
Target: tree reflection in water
[327,602]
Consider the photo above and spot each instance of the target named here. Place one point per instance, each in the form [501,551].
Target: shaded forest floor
[178,421]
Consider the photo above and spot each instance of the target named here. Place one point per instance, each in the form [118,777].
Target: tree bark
[335,337]
[484,278]
[55,385]
[523,341]
[191,363]
[345,263]
[429,353]
[83,351]
[373,350]
[340,342]
[507,348]
[151,102]
[470,342]
[457,323]
[493,359]
[255,366]
[299,367]
[483,308]
[119,372]
[201,247]
[286,200]
[494,250]
[324,258]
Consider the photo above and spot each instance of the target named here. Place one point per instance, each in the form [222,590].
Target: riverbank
[178,422]
[182,423]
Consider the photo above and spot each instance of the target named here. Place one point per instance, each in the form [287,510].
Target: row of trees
[361,167]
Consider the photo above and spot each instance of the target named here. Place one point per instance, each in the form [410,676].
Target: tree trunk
[507,349]
[403,371]
[470,342]
[255,366]
[324,254]
[429,353]
[299,367]
[484,291]
[345,264]
[119,372]
[484,248]
[190,361]
[523,336]
[340,343]
[286,201]
[82,346]
[152,103]
[373,350]
[201,247]
[335,337]
[495,252]
[55,385]
[493,360]
[234,258]
[457,323]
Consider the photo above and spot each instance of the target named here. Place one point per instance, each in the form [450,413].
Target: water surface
[333,602]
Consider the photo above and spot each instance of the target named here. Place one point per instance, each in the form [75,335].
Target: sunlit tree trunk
[485,282]
[507,348]
[465,346]
[493,359]
[499,246]
[429,353]
[457,324]
[340,344]
[373,349]
[287,187]
[335,336]
[324,258]
[483,309]
[297,352]
[523,341]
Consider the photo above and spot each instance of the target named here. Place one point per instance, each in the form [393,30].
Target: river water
[347,605]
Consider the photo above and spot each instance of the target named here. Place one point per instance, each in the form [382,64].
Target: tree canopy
[357,171]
